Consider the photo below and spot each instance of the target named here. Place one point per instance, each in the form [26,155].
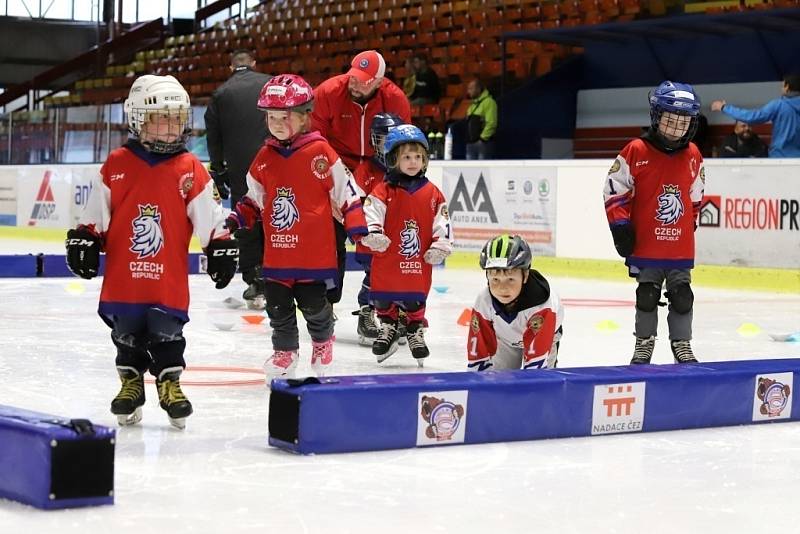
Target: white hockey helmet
[152,94]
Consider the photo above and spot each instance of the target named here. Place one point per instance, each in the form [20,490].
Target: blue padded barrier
[52,265]
[376,412]
[51,462]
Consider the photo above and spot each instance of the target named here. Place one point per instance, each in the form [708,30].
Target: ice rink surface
[219,475]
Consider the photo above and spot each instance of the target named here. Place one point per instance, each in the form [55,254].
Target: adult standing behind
[481,121]
[236,129]
[742,143]
[344,107]
[783,112]
[426,83]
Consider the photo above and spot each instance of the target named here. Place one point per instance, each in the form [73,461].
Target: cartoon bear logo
[443,417]
[773,395]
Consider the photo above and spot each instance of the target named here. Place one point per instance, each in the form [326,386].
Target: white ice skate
[322,357]
[281,364]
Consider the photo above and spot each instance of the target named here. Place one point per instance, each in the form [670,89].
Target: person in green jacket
[481,121]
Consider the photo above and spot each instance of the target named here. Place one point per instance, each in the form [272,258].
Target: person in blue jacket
[783,112]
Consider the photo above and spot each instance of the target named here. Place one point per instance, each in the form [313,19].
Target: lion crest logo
[284,210]
[148,238]
[409,240]
[670,205]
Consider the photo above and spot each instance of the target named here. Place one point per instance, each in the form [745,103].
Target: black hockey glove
[221,181]
[624,239]
[251,250]
[222,256]
[83,253]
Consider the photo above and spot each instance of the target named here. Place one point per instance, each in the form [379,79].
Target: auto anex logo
[44,206]
[477,205]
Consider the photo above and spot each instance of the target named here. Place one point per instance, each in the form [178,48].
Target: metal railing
[81,134]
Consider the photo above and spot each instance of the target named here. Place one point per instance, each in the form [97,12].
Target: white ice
[219,475]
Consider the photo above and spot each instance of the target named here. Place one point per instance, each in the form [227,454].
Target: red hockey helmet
[288,92]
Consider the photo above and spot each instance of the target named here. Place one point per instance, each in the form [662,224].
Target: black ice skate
[643,351]
[367,327]
[416,342]
[254,296]
[386,343]
[682,351]
[171,398]
[127,405]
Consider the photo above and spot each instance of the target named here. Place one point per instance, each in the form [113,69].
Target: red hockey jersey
[660,194]
[299,190]
[145,208]
[415,220]
[367,175]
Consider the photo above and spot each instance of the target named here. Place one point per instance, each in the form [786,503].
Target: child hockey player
[286,222]
[408,213]
[652,198]
[368,174]
[516,320]
[150,195]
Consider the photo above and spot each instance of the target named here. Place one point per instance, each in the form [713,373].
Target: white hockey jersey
[527,338]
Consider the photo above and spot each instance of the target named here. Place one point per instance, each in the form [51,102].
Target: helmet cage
[676,99]
[150,99]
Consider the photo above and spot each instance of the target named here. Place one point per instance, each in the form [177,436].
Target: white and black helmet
[152,94]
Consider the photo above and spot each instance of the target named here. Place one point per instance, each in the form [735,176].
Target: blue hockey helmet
[677,99]
[378,129]
[402,135]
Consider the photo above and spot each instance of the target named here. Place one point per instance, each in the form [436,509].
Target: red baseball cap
[367,66]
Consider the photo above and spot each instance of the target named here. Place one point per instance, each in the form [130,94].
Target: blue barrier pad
[376,412]
[55,265]
[52,462]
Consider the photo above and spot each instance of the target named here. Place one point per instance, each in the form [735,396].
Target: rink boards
[54,462]
[378,412]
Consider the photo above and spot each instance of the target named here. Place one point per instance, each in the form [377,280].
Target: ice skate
[127,405]
[416,342]
[643,351]
[254,297]
[682,351]
[367,327]
[281,364]
[322,356]
[386,343]
[171,398]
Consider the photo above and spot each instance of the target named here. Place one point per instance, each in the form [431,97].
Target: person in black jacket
[235,127]
[742,143]
[426,83]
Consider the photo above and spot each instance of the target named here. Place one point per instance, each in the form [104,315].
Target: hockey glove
[251,249]
[624,239]
[435,256]
[222,256]
[221,181]
[83,252]
[376,241]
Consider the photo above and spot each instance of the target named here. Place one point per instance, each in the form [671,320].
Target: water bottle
[432,145]
[448,145]
[439,143]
